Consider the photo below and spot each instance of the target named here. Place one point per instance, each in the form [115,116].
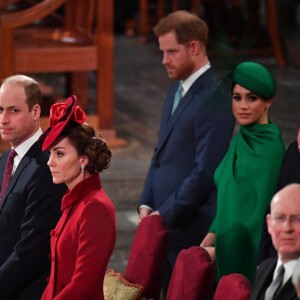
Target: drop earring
[267,108]
[82,171]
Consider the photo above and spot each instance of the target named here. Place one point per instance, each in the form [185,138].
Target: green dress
[246,182]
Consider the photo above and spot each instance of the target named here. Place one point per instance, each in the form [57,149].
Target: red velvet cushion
[148,254]
[192,276]
[233,286]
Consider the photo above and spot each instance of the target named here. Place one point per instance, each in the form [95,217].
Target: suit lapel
[264,279]
[23,163]
[172,120]
[3,161]
[287,292]
[169,121]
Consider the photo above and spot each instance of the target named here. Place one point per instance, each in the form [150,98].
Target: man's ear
[195,47]
[268,218]
[36,111]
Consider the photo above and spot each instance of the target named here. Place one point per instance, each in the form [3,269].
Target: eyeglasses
[281,219]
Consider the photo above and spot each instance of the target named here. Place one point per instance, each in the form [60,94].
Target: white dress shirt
[288,270]
[24,147]
[186,84]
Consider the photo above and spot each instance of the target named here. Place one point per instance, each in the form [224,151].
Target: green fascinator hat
[255,78]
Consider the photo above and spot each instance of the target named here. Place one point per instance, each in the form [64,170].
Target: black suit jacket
[264,277]
[29,210]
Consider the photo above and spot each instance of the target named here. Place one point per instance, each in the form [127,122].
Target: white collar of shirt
[288,269]
[24,147]
[296,273]
[186,84]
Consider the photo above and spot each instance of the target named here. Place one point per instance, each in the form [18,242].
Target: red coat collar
[81,190]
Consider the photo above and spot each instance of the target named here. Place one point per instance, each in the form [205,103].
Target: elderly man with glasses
[273,276]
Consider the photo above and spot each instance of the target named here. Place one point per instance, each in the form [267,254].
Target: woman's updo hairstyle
[87,142]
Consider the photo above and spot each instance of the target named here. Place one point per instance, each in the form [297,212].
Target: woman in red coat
[84,237]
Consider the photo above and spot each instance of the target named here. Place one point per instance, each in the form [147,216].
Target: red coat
[82,243]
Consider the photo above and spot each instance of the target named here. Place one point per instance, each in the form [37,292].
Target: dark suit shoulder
[290,169]
[268,262]
[211,89]
[266,265]
[36,151]
[263,278]
[39,170]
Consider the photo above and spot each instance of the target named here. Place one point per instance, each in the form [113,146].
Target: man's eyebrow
[12,107]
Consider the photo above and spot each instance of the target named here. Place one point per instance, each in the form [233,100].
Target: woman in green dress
[246,178]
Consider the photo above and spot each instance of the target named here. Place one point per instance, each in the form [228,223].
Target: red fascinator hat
[61,114]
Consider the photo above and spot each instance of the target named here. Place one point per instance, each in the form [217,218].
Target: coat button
[157,165]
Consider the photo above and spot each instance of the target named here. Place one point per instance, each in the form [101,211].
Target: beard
[180,72]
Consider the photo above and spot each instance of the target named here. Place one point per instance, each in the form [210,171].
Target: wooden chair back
[78,41]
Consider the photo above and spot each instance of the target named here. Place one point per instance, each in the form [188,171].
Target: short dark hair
[187,26]
[32,89]
[87,142]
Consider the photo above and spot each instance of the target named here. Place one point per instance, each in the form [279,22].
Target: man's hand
[211,252]
[156,212]
[144,212]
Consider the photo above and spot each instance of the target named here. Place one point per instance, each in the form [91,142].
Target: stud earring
[267,108]
[82,171]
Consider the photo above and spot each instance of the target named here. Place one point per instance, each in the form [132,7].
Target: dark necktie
[177,97]
[275,285]
[7,172]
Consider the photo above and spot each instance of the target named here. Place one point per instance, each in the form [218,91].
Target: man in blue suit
[30,203]
[194,136]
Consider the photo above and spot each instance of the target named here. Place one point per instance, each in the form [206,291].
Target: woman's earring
[82,171]
[267,108]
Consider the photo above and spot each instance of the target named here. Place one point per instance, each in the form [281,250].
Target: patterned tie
[177,97]
[7,172]
[275,285]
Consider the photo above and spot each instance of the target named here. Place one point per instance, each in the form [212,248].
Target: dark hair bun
[98,153]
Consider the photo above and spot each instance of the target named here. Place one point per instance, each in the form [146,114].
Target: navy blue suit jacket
[29,210]
[192,143]
[263,279]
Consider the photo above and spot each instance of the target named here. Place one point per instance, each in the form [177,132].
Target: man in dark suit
[193,138]
[284,227]
[289,173]
[30,206]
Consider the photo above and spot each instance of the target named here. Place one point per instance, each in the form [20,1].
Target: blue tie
[177,97]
